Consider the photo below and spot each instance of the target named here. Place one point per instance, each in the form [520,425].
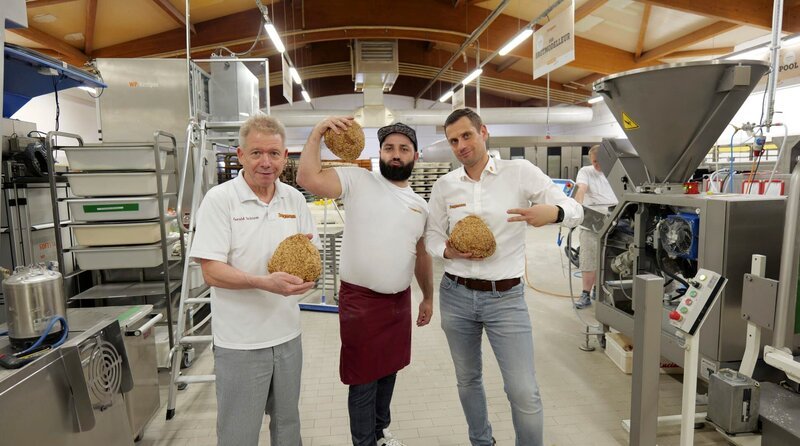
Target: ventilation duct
[491,116]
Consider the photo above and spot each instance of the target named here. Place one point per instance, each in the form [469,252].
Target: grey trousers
[253,382]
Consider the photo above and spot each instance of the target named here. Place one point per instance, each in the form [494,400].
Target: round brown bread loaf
[297,256]
[471,235]
[346,145]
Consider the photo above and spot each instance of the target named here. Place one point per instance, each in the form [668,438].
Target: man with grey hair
[594,192]
[255,320]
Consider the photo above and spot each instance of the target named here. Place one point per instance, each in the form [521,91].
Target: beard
[396,173]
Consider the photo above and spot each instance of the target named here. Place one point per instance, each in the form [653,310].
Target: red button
[689,301]
[675,316]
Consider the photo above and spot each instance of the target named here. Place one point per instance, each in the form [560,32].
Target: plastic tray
[114,209]
[113,158]
[117,234]
[115,184]
[118,257]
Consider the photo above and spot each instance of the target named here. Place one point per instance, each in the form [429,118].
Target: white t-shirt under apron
[237,228]
[383,223]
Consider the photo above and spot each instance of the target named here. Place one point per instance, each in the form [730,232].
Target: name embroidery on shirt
[459,205]
[286,215]
[245,218]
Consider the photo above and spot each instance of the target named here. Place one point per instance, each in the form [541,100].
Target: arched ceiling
[611,36]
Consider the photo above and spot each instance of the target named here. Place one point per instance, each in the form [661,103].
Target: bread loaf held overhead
[348,144]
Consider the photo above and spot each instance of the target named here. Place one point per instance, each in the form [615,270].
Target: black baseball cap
[398,127]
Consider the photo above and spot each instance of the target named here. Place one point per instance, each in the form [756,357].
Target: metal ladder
[189,300]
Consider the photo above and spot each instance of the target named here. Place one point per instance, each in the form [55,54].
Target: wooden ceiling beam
[642,31]
[42,3]
[701,52]
[88,35]
[756,13]
[368,20]
[72,54]
[588,8]
[699,35]
[507,63]
[174,14]
[587,81]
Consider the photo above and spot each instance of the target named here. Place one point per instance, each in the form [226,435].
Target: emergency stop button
[675,316]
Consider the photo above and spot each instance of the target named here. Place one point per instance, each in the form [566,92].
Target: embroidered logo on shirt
[459,205]
[286,215]
[245,218]
[415,210]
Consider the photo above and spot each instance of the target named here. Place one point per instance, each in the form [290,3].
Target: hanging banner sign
[288,89]
[554,43]
[458,98]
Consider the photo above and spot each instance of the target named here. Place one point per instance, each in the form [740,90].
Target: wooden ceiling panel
[68,18]
[129,20]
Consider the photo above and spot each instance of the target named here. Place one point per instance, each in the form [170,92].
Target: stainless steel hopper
[673,114]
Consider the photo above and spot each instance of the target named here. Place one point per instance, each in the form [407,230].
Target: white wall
[78,113]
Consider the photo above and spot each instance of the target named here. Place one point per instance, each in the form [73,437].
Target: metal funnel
[673,114]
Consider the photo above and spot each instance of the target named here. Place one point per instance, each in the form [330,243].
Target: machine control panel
[703,291]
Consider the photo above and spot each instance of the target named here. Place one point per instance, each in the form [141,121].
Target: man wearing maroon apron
[382,250]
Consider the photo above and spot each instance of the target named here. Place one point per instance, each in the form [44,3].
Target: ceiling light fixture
[472,76]
[274,36]
[295,75]
[446,96]
[595,99]
[305,95]
[513,43]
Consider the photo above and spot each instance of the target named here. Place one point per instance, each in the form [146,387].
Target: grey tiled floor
[585,395]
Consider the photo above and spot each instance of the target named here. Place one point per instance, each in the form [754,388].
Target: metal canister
[33,295]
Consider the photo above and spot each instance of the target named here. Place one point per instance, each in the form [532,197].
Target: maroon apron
[376,333]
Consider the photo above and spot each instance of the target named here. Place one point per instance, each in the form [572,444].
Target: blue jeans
[465,313]
[368,406]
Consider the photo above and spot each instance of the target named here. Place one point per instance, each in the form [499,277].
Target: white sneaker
[389,440]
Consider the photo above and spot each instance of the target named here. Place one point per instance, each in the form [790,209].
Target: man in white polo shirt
[383,248]
[595,192]
[488,294]
[255,321]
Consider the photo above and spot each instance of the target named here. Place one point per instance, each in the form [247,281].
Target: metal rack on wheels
[95,257]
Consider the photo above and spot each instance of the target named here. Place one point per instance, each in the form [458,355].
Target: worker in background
[258,355]
[382,250]
[594,192]
[488,294]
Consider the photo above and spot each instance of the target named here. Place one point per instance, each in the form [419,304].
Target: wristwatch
[560,216]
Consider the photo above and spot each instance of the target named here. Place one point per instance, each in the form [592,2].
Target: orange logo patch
[459,205]
[287,215]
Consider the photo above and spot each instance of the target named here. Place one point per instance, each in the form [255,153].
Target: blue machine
[679,235]
[29,74]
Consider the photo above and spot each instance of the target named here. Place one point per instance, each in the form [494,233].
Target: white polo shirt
[599,194]
[235,227]
[381,230]
[503,185]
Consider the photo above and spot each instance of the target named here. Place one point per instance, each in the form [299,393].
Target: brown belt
[485,285]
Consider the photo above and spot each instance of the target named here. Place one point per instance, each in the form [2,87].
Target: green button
[684,310]
[693,293]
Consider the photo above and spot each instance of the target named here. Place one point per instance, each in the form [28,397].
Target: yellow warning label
[628,123]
